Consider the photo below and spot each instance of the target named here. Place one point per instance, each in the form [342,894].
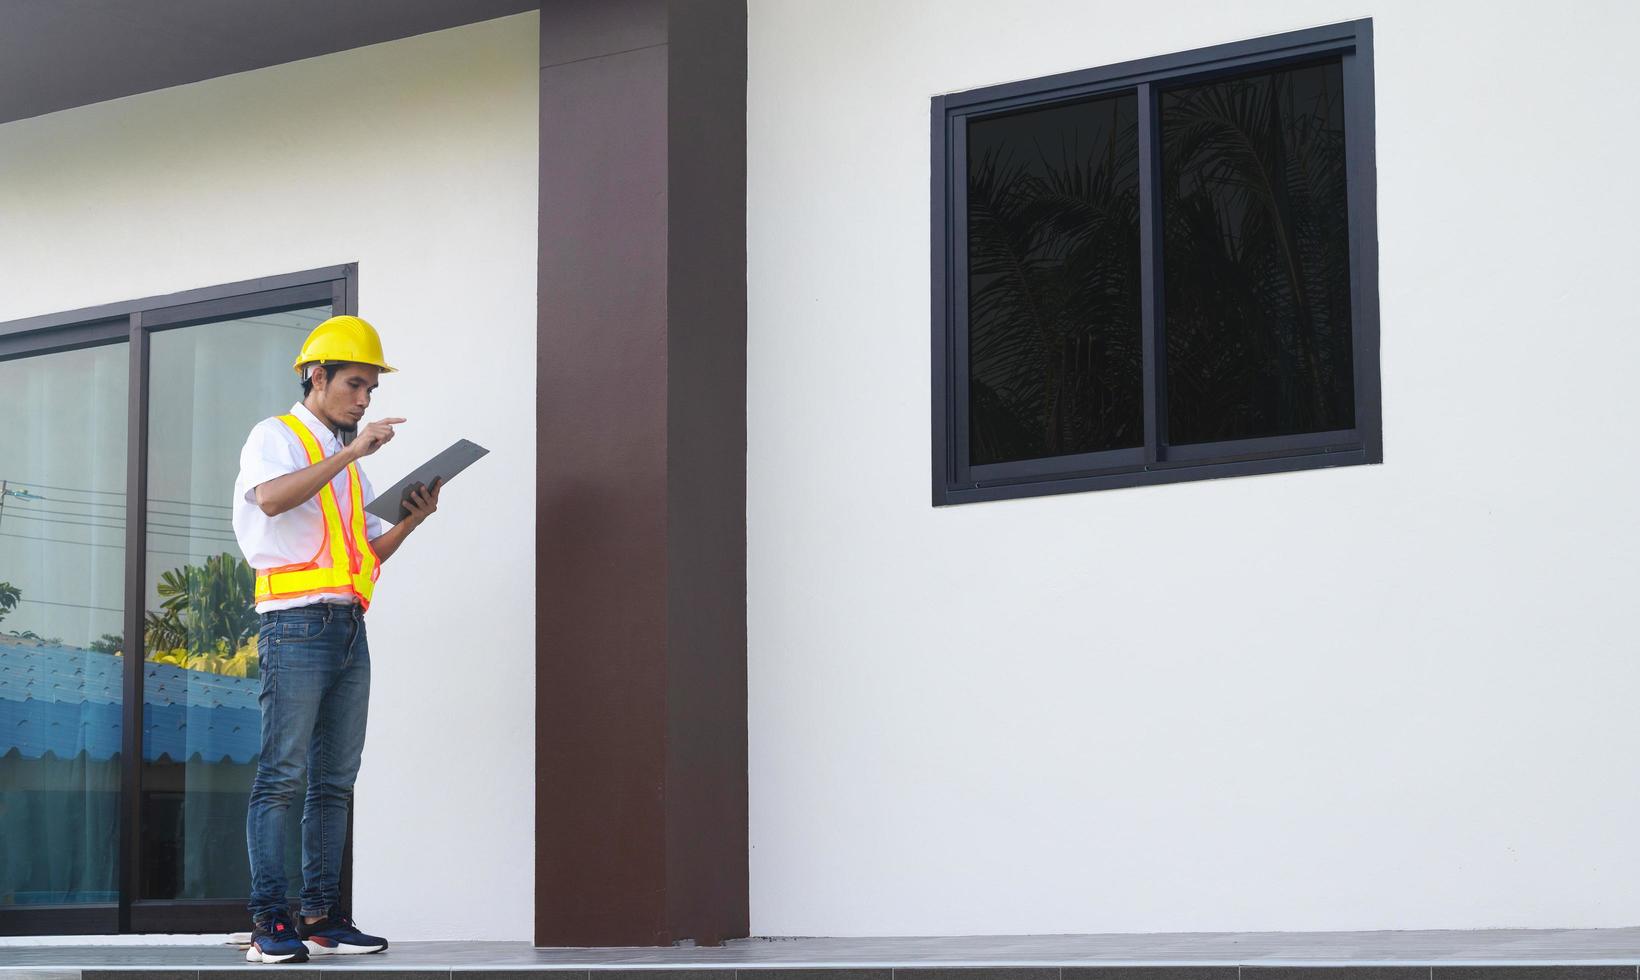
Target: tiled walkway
[1502,954]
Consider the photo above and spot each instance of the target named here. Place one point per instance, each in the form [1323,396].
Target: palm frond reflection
[1053,269]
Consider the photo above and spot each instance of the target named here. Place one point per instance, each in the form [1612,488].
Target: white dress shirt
[294,537]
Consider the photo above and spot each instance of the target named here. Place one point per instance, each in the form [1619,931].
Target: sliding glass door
[129,723]
[62,584]
[207,385]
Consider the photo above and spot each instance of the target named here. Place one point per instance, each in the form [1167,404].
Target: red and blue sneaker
[275,940]
[336,933]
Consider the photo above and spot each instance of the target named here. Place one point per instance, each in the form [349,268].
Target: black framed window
[1157,271]
[129,726]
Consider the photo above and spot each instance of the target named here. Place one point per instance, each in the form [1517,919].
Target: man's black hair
[330,375]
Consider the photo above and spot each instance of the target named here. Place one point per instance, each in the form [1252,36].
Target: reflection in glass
[209,384]
[62,575]
[1255,257]
[1055,363]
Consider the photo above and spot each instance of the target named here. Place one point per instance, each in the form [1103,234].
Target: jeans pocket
[298,628]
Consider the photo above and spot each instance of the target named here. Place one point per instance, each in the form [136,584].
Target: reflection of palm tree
[1255,269]
[1053,249]
[9,597]
[1256,256]
[201,604]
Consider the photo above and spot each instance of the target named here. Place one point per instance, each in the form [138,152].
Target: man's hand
[294,489]
[421,501]
[372,437]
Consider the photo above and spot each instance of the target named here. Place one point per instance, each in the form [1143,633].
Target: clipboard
[389,505]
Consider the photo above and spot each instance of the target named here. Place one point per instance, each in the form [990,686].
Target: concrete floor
[1593,954]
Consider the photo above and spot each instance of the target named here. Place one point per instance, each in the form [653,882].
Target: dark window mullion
[960,367]
[136,544]
[1150,273]
[1052,467]
[1224,59]
[58,339]
[344,300]
[939,357]
[59,920]
[233,307]
[1361,193]
[1232,449]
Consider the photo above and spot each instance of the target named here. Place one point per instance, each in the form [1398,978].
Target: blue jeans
[315,694]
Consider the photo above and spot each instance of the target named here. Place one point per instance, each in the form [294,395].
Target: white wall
[1396,696]
[417,160]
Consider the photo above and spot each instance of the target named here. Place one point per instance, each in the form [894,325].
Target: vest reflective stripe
[352,567]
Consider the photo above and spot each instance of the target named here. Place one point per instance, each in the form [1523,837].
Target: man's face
[344,398]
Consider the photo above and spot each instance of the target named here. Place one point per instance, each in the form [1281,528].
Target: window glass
[1054,336]
[208,385]
[63,421]
[1255,257]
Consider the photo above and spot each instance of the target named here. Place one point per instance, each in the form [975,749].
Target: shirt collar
[327,441]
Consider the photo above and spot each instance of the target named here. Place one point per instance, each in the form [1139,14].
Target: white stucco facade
[415,159]
[1378,697]
[1397,696]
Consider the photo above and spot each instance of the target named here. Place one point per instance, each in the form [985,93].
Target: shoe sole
[319,949]
[254,955]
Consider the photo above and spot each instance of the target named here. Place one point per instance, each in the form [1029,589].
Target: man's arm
[421,503]
[296,488]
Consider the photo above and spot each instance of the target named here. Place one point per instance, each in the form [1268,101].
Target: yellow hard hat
[342,338]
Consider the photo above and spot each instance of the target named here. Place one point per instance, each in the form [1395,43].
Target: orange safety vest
[345,564]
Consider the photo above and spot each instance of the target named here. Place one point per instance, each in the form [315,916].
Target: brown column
[641,835]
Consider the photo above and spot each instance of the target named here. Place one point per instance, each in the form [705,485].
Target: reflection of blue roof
[65,701]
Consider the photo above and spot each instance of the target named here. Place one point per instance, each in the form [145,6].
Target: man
[299,516]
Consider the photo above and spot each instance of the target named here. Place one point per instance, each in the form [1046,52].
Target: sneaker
[336,933]
[275,940]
